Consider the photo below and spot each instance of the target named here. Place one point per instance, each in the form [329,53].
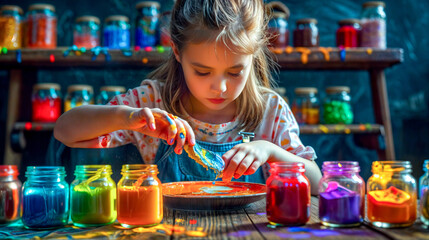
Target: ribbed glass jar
[10,194]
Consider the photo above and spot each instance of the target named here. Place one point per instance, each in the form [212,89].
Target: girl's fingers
[253,168]
[172,128]
[181,137]
[244,165]
[147,114]
[233,164]
[190,135]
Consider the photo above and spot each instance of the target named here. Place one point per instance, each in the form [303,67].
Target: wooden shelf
[354,59]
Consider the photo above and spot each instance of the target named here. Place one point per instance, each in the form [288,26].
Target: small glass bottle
[342,194]
[78,95]
[424,194]
[288,194]
[373,21]
[93,196]
[391,195]
[45,198]
[46,102]
[87,32]
[348,34]
[147,24]
[139,196]
[10,194]
[278,28]
[305,106]
[117,32]
[41,27]
[108,92]
[306,33]
[337,108]
[11,25]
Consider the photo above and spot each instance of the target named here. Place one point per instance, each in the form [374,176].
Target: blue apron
[176,168]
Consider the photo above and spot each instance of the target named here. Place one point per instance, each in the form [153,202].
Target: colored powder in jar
[310,115]
[145,38]
[373,33]
[41,32]
[116,38]
[10,208]
[11,32]
[46,110]
[335,112]
[86,40]
[348,36]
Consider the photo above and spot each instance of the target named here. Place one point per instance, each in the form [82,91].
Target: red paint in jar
[348,34]
[41,27]
[46,102]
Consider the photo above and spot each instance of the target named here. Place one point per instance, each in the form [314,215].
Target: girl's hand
[245,159]
[160,124]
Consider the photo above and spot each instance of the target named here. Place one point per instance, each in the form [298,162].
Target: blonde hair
[241,26]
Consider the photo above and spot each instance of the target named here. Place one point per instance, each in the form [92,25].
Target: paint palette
[204,195]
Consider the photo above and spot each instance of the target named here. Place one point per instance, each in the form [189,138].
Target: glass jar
[392,195]
[165,38]
[117,32]
[288,194]
[305,106]
[139,196]
[93,196]
[348,34]
[108,92]
[147,24]
[46,102]
[306,33]
[10,194]
[337,107]
[424,194]
[342,194]
[78,95]
[41,27]
[45,198]
[11,27]
[278,29]
[373,20]
[87,32]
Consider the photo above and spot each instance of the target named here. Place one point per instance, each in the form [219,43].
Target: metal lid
[279,15]
[306,20]
[280,90]
[337,89]
[113,89]
[40,86]
[147,4]
[39,6]
[349,21]
[305,90]
[373,4]
[88,19]
[117,18]
[11,8]
[80,87]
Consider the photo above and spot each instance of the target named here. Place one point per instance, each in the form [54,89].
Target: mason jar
[10,194]
[337,107]
[278,29]
[341,194]
[373,21]
[87,32]
[305,105]
[391,195]
[46,102]
[147,24]
[107,93]
[117,32]
[306,33]
[11,25]
[348,33]
[78,95]
[41,27]
[424,194]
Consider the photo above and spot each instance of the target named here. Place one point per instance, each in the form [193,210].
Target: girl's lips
[217,100]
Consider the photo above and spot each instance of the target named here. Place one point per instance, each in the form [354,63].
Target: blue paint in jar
[147,24]
[116,32]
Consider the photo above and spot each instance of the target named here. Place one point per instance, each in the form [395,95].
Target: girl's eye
[235,74]
[202,73]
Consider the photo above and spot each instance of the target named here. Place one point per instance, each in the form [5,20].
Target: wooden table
[247,223]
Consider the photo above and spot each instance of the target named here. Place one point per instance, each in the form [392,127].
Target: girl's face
[215,76]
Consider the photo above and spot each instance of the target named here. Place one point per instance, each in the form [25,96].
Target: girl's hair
[241,26]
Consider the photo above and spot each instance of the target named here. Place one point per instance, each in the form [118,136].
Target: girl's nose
[219,86]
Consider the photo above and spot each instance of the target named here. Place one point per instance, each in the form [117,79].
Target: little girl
[217,81]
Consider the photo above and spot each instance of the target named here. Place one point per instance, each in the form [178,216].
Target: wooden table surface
[246,223]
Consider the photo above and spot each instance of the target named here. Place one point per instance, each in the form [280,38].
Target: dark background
[407,83]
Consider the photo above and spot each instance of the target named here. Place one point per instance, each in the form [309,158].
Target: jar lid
[305,90]
[147,4]
[8,170]
[280,90]
[88,19]
[275,7]
[337,89]
[373,4]
[40,86]
[80,87]
[39,6]
[113,89]
[279,15]
[11,8]
[348,21]
[117,18]
[306,20]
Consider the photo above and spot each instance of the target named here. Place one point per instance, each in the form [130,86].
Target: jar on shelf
[288,194]
[147,23]
[342,194]
[164,29]
[93,196]
[45,198]
[424,194]
[46,102]
[108,92]
[373,21]
[117,32]
[391,195]
[348,34]
[41,27]
[10,194]
[305,105]
[78,95]
[139,196]
[11,25]
[337,108]
[278,29]
[87,32]
[282,92]
[306,33]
